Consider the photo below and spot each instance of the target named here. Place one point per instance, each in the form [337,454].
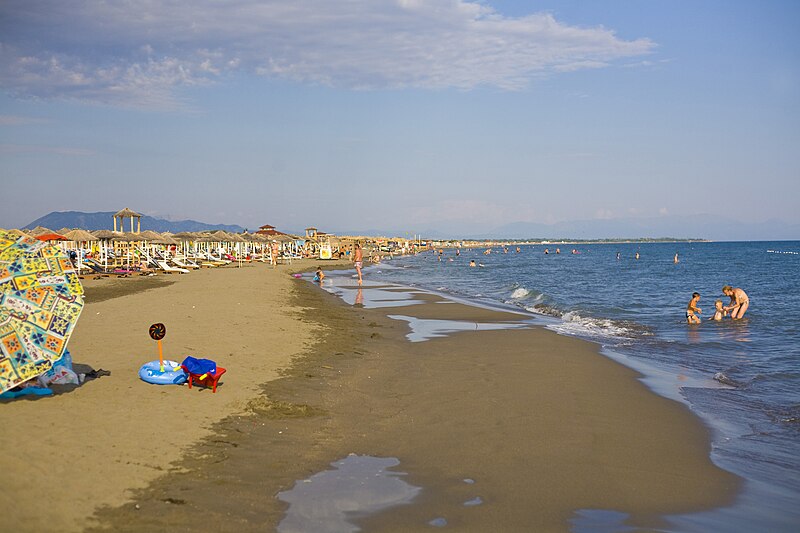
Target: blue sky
[401,115]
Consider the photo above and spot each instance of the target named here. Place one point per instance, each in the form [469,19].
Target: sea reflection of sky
[358,485]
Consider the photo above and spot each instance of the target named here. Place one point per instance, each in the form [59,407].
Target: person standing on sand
[274,255]
[739,301]
[358,261]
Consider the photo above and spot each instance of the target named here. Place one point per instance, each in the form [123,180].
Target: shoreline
[354,391]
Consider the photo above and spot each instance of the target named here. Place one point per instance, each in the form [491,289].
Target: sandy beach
[543,425]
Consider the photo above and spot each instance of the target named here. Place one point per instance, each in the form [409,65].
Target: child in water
[719,311]
[692,310]
[319,275]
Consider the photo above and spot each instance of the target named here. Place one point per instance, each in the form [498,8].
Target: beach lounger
[170,269]
[184,264]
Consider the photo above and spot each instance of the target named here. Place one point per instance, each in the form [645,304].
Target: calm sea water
[742,377]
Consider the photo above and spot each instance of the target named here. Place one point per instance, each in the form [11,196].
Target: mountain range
[103,220]
[695,227]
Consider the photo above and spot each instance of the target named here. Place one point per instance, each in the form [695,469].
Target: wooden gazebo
[127,213]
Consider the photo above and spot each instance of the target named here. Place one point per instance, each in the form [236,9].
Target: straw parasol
[166,238]
[149,235]
[186,236]
[39,230]
[80,235]
[105,234]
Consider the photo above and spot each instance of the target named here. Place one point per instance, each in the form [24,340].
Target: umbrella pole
[160,356]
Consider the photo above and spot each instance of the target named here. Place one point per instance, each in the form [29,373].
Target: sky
[401,115]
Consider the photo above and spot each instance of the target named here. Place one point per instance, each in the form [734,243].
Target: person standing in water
[739,301]
[675,259]
[358,261]
[692,310]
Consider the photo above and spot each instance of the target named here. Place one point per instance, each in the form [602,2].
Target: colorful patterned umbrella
[41,299]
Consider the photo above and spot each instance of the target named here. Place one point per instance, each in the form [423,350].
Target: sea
[742,378]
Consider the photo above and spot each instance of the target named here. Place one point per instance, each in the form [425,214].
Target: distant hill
[103,220]
[687,227]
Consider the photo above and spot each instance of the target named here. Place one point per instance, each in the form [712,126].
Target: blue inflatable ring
[151,373]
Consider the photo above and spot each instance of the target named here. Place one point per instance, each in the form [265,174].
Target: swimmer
[636,256]
[472,263]
[617,256]
[692,310]
[719,311]
[739,301]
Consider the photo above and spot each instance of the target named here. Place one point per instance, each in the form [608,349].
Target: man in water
[739,301]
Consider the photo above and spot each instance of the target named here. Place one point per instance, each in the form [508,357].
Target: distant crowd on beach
[739,302]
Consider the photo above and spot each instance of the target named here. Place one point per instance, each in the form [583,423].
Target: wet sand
[543,424]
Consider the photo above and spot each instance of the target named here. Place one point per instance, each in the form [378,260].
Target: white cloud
[138,53]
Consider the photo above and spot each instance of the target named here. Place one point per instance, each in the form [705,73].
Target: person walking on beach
[739,301]
[358,261]
[274,253]
[692,310]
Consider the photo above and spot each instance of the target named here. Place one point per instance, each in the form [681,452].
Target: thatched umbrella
[80,235]
[81,239]
[104,236]
[39,230]
[166,238]
[149,235]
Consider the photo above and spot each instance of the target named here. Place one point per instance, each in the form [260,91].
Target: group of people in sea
[736,308]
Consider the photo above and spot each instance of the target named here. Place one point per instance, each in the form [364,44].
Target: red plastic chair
[207,380]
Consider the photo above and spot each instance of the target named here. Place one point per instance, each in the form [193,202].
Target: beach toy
[155,372]
[157,332]
[203,372]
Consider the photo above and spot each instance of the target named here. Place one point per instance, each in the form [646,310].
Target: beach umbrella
[39,230]
[41,299]
[51,237]
[80,235]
